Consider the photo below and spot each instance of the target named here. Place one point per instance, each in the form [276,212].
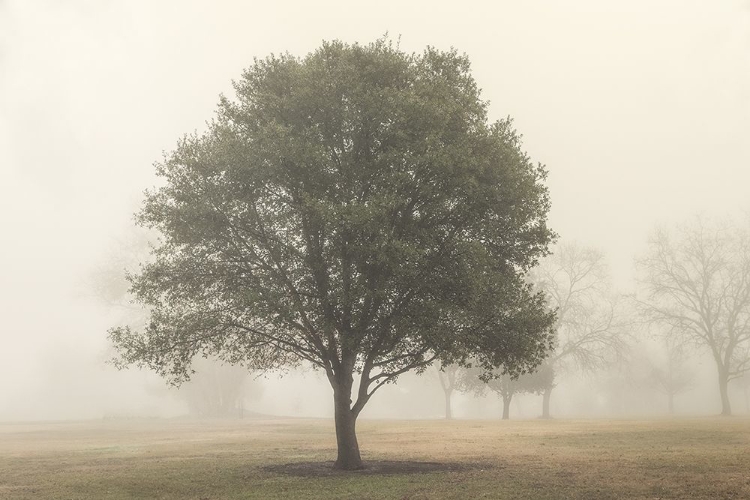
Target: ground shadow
[372,467]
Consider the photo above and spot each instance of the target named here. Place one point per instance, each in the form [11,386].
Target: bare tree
[591,326]
[696,280]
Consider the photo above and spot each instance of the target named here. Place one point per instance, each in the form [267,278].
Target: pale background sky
[639,109]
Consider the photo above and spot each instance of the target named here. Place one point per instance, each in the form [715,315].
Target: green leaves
[353,209]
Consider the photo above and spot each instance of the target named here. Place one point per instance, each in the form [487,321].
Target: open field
[705,458]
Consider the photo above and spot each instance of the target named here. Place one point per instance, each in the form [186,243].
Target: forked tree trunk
[506,406]
[545,402]
[348,457]
[726,409]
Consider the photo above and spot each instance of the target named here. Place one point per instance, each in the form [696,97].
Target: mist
[640,111]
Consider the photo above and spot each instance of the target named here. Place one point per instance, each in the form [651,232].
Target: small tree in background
[449,382]
[674,374]
[219,390]
[354,210]
[504,384]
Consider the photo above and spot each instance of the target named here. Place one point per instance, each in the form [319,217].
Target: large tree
[355,210]
[696,280]
[591,328]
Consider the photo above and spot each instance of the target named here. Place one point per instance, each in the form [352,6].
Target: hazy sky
[639,109]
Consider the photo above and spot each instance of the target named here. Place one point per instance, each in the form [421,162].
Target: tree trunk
[726,409]
[545,402]
[346,437]
[506,406]
[448,412]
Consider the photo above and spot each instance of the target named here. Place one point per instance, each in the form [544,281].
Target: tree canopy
[355,210]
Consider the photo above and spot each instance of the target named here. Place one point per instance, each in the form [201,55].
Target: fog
[640,111]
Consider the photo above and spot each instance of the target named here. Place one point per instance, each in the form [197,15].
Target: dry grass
[176,459]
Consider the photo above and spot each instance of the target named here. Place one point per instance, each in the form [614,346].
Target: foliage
[354,210]
[214,389]
[503,384]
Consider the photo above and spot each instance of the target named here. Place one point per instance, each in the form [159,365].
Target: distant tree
[449,381]
[503,384]
[696,281]
[353,210]
[218,390]
[591,328]
[674,375]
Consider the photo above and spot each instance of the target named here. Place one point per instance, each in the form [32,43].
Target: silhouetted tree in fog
[218,390]
[696,280]
[503,384]
[448,376]
[355,210]
[591,326]
[673,375]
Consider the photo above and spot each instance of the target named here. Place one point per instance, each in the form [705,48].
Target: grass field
[705,458]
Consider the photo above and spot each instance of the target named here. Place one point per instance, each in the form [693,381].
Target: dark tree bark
[348,457]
